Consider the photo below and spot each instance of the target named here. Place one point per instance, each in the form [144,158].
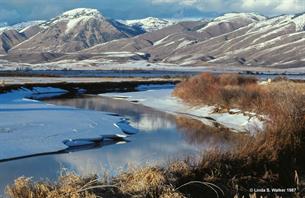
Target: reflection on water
[163,137]
[197,133]
[144,118]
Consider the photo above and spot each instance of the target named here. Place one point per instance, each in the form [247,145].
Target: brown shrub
[235,79]
[224,90]
[279,149]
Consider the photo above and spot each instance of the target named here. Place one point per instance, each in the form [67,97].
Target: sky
[14,11]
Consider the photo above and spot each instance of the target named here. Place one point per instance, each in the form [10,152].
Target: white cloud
[13,11]
[274,6]
[201,4]
[268,7]
[286,6]
[184,2]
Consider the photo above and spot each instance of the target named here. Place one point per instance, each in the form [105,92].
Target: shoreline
[162,100]
[91,85]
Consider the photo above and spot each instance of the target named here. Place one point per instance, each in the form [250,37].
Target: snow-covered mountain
[10,38]
[231,21]
[15,34]
[149,24]
[20,27]
[299,21]
[74,30]
[73,17]
[232,39]
[3,26]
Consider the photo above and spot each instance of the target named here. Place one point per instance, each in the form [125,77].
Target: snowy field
[161,99]
[29,127]
[52,80]
[104,64]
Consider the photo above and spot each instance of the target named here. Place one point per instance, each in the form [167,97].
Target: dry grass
[282,101]
[141,180]
[68,186]
[146,182]
[274,158]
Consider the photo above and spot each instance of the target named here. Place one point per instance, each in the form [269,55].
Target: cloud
[286,6]
[267,7]
[274,6]
[13,11]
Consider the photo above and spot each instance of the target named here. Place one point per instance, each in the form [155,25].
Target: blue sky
[13,11]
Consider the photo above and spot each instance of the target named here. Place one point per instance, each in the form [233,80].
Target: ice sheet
[29,127]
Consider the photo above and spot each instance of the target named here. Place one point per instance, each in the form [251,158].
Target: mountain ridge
[72,31]
[246,39]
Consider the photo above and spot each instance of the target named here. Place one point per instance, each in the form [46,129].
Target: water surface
[162,138]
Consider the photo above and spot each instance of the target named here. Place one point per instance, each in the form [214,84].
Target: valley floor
[272,158]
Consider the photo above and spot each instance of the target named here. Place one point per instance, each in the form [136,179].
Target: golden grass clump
[171,193]
[141,180]
[69,185]
[24,188]
[180,167]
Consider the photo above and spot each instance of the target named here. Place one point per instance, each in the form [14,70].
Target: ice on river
[29,127]
[163,100]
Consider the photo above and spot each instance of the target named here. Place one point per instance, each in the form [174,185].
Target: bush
[280,147]
[224,90]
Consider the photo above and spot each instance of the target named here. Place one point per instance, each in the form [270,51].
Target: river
[162,138]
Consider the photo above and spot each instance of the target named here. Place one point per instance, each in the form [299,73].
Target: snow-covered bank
[38,81]
[29,127]
[164,101]
[144,65]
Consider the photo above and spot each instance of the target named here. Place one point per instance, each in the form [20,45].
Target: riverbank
[91,85]
[273,160]
[162,100]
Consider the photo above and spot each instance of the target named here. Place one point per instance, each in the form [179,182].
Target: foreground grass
[272,159]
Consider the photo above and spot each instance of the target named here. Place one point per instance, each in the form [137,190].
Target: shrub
[225,90]
[280,147]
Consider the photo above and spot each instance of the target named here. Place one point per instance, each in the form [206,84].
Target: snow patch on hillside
[21,27]
[123,54]
[185,43]
[25,25]
[264,26]
[281,21]
[299,22]
[149,24]
[73,17]
[234,17]
[240,16]
[74,22]
[159,42]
